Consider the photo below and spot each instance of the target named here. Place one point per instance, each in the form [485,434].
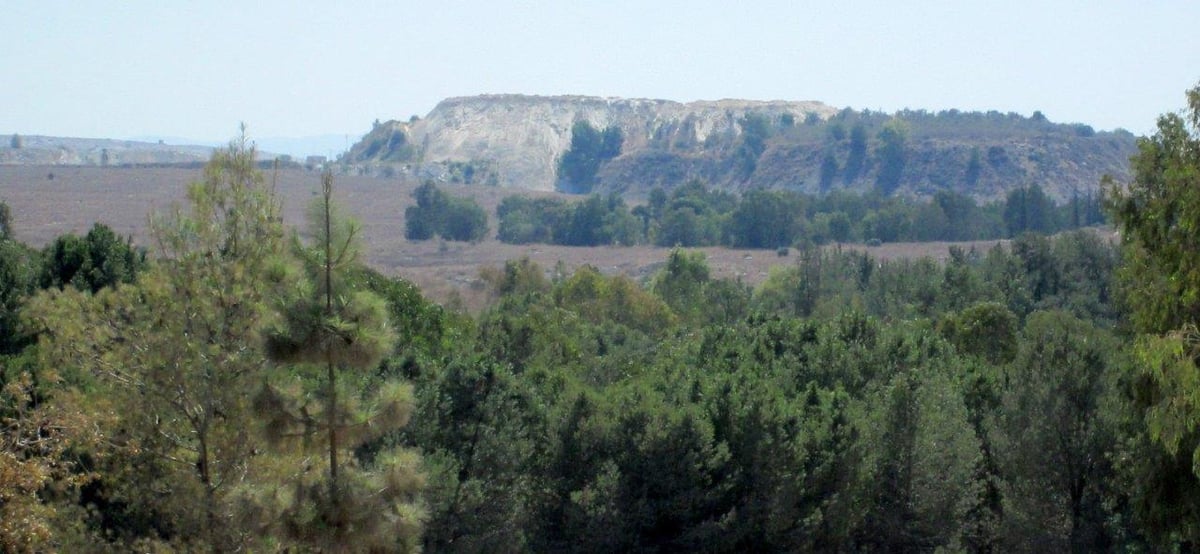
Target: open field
[122,198]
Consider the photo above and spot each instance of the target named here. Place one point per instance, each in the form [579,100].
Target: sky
[196,69]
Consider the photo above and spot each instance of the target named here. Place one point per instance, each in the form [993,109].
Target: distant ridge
[51,150]
[47,150]
[516,140]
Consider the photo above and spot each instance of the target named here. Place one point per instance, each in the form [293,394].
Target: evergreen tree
[893,140]
[856,161]
[175,356]
[366,503]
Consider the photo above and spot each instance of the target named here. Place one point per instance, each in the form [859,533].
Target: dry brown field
[122,198]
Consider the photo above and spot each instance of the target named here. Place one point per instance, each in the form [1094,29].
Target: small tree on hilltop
[16,141]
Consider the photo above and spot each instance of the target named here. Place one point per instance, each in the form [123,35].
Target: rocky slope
[517,141]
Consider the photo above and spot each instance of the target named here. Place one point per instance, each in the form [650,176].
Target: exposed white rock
[524,136]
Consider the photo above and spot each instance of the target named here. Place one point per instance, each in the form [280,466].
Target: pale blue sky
[287,68]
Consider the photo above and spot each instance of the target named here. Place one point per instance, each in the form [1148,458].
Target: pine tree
[331,337]
[174,355]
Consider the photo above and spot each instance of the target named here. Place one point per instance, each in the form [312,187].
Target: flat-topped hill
[520,141]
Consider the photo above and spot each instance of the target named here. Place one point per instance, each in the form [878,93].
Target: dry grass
[122,198]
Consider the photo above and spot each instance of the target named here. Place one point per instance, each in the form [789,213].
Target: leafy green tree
[585,227]
[753,142]
[856,161]
[175,355]
[1053,436]
[464,220]
[974,168]
[1028,209]
[893,139]
[987,330]
[766,219]
[962,216]
[524,220]
[481,480]
[923,459]
[589,149]
[17,280]
[438,213]
[372,503]
[43,427]
[685,285]
[829,171]
[99,259]
[618,299]
[1158,213]
[682,227]
[6,231]
[421,222]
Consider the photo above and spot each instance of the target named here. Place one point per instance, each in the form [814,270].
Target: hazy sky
[195,69]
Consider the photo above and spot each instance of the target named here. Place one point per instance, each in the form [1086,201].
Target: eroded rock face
[521,138]
[738,145]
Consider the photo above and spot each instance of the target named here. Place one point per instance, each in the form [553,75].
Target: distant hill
[43,150]
[299,148]
[47,150]
[519,141]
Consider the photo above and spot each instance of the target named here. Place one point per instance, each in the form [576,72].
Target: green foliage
[892,155]
[684,284]
[1158,214]
[979,403]
[99,259]
[766,219]
[616,299]
[17,280]
[6,231]
[692,216]
[1053,429]
[756,128]
[857,159]
[524,220]
[594,221]
[480,484]
[590,148]
[1027,209]
[829,171]
[974,168]
[323,321]
[173,358]
[987,330]
[438,213]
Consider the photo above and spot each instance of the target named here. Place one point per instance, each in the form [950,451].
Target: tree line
[695,215]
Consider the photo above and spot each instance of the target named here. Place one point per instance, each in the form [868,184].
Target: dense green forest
[243,388]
